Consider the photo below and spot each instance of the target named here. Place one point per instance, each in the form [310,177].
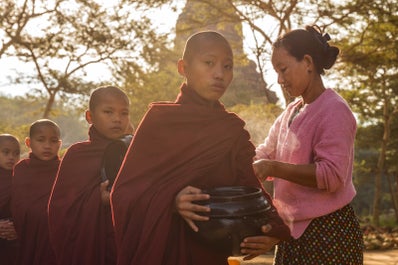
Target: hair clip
[322,39]
[326,37]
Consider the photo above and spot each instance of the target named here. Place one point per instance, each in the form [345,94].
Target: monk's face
[45,142]
[111,116]
[9,154]
[210,69]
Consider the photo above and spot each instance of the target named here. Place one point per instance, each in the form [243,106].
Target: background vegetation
[65,48]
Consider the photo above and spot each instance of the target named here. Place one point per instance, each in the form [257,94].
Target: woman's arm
[300,174]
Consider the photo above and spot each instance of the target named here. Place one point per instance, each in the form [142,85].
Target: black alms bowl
[236,212]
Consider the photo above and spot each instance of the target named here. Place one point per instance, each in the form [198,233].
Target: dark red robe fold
[175,145]
[5,193]
[31,187]
[81,231]
[8,249]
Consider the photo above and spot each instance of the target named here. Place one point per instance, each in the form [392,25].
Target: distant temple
[248,84]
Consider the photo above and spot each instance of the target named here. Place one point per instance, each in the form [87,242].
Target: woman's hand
[263,168]
[258,245]
[187,209]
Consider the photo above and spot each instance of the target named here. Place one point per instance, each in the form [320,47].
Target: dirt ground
[385,257]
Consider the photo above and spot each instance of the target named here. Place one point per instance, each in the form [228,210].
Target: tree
[370,55]
[62,40]
[12,24]
[19,112]
[159,84]
[270,19]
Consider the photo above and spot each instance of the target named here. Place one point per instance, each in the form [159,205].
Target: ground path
[371,257]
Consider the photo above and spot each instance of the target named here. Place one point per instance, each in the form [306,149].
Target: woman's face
[294,76]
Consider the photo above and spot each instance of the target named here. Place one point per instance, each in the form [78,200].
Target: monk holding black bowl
[192,142]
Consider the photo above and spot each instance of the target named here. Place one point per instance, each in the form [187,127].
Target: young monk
[193,141]
[9,156]
[31,187]
[80,221]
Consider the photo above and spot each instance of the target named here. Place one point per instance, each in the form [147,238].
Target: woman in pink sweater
[308,154]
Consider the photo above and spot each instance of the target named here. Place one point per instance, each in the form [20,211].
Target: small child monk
[31,187]
[192,142]
[80,219]
[9,156]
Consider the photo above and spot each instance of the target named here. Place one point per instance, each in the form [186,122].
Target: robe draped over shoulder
[31,187]
[177,144]
[80,225]
[5,193]
[8,249]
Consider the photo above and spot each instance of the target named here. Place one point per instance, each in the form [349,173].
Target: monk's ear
[59,144]
[27,142]
[181,67]
[88,117]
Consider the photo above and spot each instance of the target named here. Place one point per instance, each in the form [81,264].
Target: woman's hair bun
[331,56]
[328,54]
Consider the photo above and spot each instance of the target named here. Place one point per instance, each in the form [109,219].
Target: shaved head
[195,43]
[5,137]
[101,93]
[35,126]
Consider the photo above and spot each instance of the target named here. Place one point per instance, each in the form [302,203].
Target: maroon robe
[178,144]
[31,187]
[8,249]
[81,231]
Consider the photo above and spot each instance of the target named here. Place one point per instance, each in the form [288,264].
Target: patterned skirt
[334,239]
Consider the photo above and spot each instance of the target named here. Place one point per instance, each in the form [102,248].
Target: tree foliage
[20,112]
[61,40]
[370,61]
[269,19]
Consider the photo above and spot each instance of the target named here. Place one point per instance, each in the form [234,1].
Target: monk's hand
[263,169]
[105,194]
[258,245]
[189,210]
[3,224]
[7,230]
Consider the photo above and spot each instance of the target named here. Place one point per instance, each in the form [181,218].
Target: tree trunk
[377,199]
[393,184]
[395,192]
[49,105]
[381,162]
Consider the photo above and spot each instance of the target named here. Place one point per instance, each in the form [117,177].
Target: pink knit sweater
[322,133]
